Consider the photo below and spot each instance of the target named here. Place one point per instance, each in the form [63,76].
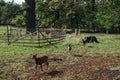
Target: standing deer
[69,48]
[40,61]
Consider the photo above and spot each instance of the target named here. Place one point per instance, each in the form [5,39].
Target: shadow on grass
[56,59]
[77,55]
[91,46]
[54,73]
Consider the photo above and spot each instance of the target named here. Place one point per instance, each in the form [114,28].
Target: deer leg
[41,67]
[36,66]
[47,65]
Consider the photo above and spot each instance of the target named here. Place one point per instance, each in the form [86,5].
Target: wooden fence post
[8,40]
[38,38]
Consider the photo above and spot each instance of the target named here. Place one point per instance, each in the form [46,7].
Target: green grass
[3,29]
[109,45]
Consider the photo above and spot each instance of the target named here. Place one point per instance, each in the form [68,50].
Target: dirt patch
[74,67]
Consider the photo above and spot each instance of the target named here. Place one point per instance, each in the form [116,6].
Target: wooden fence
[42,37]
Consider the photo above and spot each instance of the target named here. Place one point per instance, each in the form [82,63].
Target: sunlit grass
[109,44]
[3,29]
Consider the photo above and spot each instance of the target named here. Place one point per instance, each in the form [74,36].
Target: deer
[69,48]
[40,61]
[89,39]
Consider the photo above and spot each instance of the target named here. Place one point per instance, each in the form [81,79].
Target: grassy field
[3,29]
[109,45]
[14,59]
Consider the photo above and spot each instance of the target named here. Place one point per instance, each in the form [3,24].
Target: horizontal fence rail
[42,37]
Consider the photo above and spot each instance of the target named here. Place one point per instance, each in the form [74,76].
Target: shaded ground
[73,67]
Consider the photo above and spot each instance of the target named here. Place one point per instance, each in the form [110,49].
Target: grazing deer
[89,39]
[69,48]
[40,61]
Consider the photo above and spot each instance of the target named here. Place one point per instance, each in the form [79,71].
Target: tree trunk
[30,16]
[74,23]
[93,26]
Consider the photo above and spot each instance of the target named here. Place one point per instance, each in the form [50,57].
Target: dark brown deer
[89,39]
[40,61]
[69,48]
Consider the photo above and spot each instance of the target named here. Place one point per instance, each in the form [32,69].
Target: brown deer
[69,48]
[89,39]
[40,61]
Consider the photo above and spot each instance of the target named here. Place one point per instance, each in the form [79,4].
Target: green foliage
[72,14]
[108,17]
[104,20]
[7,12]
[19,21]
